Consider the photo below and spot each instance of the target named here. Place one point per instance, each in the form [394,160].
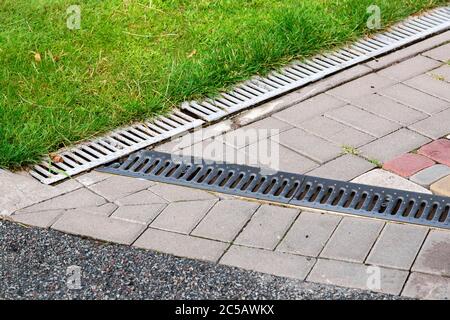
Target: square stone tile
[183,216]
[309,234]
[430,175]
[435,126]
[409,68]
[352,239]
[95,226]
[267,227]
[415,99]
[181,245]
[442,73]
[41,219]
[368,84]
[309,145]
[427,286]
[336,132]
[276,263]
[382,178]
[441,53]
[359,276]
[76,199]
[393,145]
[434,257]
[438,150]
[397,246]
[143,197]
[308,109]
[117,187]
[344,168]
[430,85]
[225,220]
[174,193]
[389,109]
[140,214]
[363,121]
[408,164]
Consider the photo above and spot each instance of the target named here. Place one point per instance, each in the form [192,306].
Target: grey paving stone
[382,178]
[267,227]
[352,240]
[415,98]
[225,220]
[181,245]
[428,84]
[397,246]
[117,187]
[105,209]
[284,160]
[90,178]
[368,84]
[309,233]
[98,227]
[389,109]
[77,199]
[140,198]
[409,68]
[434,257]
[140,214]
[435,127]
[182,216]
[256,131]
[174,193]
[409,51]
[363,120]
[393,145]
[18,191]
[336,132]
[441,53]
[356,275]
[276,263]
[344,168]
[309,109]
[309,145]
[41,219]
[427,286]
[442,73]
[428,176]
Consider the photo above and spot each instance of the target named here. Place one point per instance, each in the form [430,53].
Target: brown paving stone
[441,187]
[408,164]
[438,150]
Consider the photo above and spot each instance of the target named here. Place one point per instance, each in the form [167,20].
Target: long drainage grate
[250,93]
[288,188]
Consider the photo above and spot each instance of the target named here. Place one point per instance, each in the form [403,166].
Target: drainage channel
[287,188]
[193,114]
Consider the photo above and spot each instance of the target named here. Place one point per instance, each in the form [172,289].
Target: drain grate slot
[287,188]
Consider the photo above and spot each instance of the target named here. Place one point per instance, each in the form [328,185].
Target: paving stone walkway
[383,123]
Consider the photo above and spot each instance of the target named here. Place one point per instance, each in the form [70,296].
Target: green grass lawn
[132,59]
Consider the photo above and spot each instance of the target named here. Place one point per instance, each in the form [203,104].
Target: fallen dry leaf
[193,53]
[37,57]
[56,158]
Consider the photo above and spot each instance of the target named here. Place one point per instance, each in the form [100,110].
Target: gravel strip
[34,262]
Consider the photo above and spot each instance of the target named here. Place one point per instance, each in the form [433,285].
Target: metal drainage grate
[117,144]
[298,74]
[121,142]
[288,188]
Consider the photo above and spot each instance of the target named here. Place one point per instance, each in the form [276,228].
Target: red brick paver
[438,150]
[408,164]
